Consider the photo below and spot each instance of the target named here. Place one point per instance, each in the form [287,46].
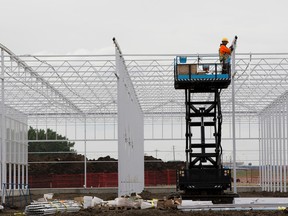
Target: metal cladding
[14,151]
[273,145]
[130,132]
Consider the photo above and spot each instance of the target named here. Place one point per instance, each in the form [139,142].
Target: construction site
[111,118]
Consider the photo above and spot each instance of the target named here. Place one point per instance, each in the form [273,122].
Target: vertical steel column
[268,155]
[26,171]
[280,147]
[266,167]
[277,147]
[271,142]
[264,154]
[18,176]
[274,147]
[14,172]
[262,157]
[3,130]
[285,136]
[23,174]
[270,181]
[187,135]
[10,173]
[260,122]
[85,154]
[233,122]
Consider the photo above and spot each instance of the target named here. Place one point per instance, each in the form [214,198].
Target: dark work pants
[226,68]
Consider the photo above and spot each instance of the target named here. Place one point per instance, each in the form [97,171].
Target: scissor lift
[204,177]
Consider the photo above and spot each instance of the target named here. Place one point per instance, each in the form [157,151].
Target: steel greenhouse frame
[82,89]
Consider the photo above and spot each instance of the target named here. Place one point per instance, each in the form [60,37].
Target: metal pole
[26,171]
[14,173]
[265,150]
[277,146]
[18,176]
[270,186]
[174,153]
[273,151]
[23,174]
[260,120]
[280,147]
[285,135]
[264,154]
[3,127]
[85,155]
[261,151]
[233,122]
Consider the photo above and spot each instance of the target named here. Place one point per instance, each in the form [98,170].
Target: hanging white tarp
[130,132]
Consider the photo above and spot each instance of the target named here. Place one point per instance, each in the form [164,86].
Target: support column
[3,130]
[233,122]
[285,136]
[85,153]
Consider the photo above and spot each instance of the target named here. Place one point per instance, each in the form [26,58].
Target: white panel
[15,150]
[273,138]
[130,134]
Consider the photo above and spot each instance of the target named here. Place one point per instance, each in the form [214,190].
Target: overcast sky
[142,26]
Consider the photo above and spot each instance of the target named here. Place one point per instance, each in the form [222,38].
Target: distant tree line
[49,146]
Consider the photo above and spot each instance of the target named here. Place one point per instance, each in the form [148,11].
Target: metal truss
[86,85]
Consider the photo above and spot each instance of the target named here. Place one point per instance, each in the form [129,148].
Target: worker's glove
[231,48]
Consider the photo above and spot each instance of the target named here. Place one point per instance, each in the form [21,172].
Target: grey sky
[142,26]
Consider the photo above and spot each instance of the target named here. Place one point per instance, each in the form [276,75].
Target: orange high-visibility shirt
[224,53]
[224,50]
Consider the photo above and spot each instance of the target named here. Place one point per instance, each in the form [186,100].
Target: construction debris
[171,203]
[48,196]
[45,206]
[49,208]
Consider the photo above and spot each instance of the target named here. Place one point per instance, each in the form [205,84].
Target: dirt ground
[154,212]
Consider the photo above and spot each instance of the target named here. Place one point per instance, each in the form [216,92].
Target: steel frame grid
[86,85]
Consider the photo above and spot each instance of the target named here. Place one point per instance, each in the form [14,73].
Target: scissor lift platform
[204,176]
[200,77]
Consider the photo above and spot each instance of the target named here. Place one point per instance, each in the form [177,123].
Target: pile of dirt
[61,164]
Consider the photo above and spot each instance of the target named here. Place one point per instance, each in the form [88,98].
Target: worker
[225,55]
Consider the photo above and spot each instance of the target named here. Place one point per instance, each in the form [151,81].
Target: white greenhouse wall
[273,145]
[14,150]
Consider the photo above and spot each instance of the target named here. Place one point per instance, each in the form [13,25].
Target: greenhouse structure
[125,105]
